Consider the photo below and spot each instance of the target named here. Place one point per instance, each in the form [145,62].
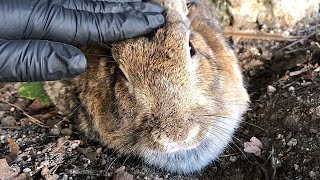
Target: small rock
[271,89]
[26,170]
[275,162]
[2,137]
[12,109]
[64,177]
[280,136]
[8,121]
[66,131]
[99,150]
[16,168]
[292,142]
[296,167]
[233,158]
[291,89]
[312,174]
[52,122]
[4,106]
[2,114]
[55,131]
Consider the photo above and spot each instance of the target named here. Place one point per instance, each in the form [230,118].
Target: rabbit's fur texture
[173,105]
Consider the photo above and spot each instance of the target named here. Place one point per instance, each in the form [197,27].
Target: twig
[295,50]
[89,172]
[310,28]
[262,36]
[32,119]
[318,44]
[256,126]
[299,40]
[228,155]
[10,127]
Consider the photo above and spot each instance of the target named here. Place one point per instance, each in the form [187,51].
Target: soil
[283,79]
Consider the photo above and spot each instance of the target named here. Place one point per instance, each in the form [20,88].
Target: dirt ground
[283,79]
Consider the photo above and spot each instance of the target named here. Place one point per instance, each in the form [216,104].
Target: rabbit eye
[192,49]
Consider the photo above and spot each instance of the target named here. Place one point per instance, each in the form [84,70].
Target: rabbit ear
[177,10]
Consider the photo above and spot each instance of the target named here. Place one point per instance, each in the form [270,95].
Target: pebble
[312,174]
[271,89]
[296,167]
[26,170]
[55,131]
[280,136]
[292,142]
[233,158]
[66,131]
[275,162]
[8,121]
[2,137]
[65,177]
[99,150]
[4,106]
[291,89]
[2,114]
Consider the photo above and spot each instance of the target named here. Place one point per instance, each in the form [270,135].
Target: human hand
[35,34]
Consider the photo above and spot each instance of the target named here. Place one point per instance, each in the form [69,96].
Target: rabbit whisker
[232,118]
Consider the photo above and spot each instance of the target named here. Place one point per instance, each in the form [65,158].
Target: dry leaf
[36,105]
[13,151]
[254,146]
[46,175]
[5,171]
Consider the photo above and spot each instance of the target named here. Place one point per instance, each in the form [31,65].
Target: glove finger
[82,27]
[23,60]
[110,7]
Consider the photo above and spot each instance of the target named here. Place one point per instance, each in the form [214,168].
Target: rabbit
[173,98]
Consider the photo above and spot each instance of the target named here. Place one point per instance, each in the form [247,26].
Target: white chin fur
[191,160]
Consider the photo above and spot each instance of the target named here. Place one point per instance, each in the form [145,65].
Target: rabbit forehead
[167,52]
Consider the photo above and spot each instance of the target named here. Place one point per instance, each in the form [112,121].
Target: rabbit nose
[172,142]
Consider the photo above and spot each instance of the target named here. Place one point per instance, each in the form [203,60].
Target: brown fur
[152,94]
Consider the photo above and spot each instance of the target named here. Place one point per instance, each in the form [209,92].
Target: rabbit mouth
[189,160]
[186,161]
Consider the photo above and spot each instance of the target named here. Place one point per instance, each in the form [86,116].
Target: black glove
[25,55]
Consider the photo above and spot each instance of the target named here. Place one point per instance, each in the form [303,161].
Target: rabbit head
[174,98]
[181,95]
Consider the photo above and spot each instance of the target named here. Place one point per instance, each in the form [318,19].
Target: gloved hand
[33,33]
